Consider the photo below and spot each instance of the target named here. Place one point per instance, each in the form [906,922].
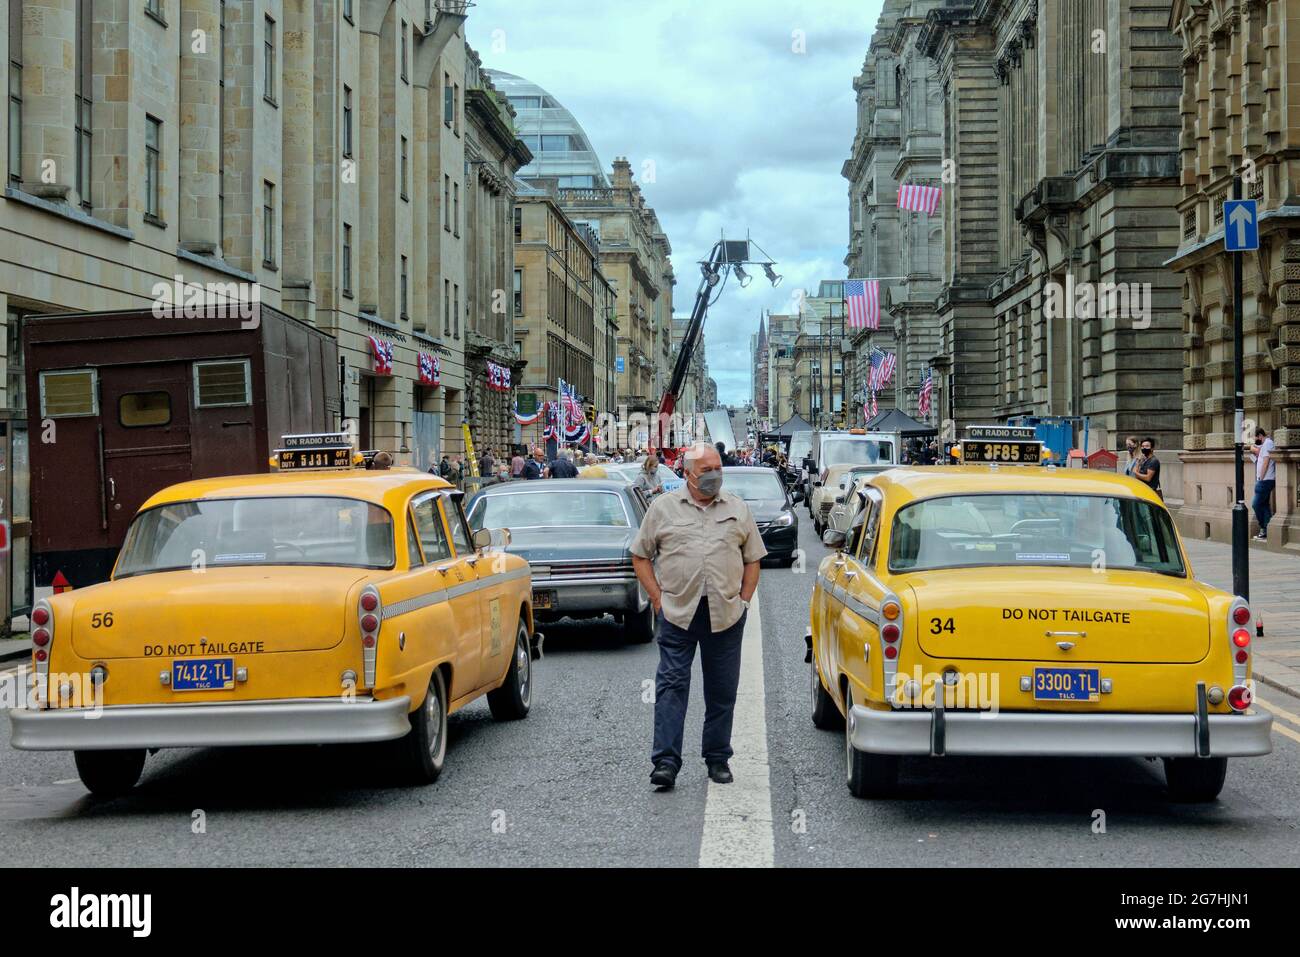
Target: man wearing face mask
[697,556]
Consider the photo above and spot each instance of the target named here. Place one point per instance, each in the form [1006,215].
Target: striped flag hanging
[919,199]
[862,303]
[927,390]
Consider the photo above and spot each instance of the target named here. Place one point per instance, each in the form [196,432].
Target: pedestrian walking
[647,478]
[1265,482]
[563,466]
[535,467]
[1147,470]
[697,556]
[486,463]
[444,468]
[1131,444]
[517,466]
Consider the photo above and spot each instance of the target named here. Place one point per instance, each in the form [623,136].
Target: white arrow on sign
[1241,218]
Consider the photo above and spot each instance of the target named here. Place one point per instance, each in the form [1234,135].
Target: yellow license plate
[543,599]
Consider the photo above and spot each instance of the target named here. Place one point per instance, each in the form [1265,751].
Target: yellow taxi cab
[321,603]
[995,609]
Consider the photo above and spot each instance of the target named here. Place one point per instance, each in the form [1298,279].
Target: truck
[123,404]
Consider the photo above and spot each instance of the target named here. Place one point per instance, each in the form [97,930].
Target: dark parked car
[769,500]
[576,535]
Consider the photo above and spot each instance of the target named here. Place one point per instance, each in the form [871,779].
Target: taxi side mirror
[796,495]
[834,538]
[483,539]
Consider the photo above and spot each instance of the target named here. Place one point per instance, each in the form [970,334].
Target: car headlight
[784,520]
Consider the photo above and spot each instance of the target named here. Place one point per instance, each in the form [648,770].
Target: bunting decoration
[430,369]
[919,199]
[382,351]
[498,377]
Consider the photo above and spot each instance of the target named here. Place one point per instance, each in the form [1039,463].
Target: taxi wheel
[1195,779]
[640,626]
[425,748]
[825,715]
[869,775]
[109,773]
[512,700]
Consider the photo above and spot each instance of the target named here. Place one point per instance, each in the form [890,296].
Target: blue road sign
[1240,225]
[618,364]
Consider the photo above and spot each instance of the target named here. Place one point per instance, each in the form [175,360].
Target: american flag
[862,301]
[927,389]
[383,353]
[919,199]
[430,368]
[882,368]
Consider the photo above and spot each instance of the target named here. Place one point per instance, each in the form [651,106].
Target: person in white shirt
[1265,480]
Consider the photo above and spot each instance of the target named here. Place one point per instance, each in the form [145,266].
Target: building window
[455,109]
[347,11]
[85,125]
[268,64]
[446,202]
[268,225]
[519,292]
[347,260]
[446,307]
[455,311]
[15,92]
[404,169]
[448,100]
[347,121]
[69,394]
[222,383]
[519,225]
[403,290]
[151,7]
[455,210]
[405,78]
[152,168]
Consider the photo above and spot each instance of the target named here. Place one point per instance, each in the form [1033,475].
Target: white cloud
[746,134]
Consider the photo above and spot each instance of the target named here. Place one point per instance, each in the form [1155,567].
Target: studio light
[772,277]
[741,276]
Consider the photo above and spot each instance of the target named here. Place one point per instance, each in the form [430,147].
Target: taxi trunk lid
[216,611]
[1025,614]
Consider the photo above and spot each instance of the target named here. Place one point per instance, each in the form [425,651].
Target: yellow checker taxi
[321,603]
[996,609]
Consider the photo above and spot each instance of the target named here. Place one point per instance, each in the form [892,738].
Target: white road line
[738,826]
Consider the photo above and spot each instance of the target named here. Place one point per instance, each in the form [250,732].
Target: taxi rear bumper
[607,593]
[222,724]
[1010,733]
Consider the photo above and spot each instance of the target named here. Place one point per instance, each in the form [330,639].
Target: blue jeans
[720,661]
[1263,502]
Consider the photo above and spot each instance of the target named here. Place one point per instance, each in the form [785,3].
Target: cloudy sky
[744,132]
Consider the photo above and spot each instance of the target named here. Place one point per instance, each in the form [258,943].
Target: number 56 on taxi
[311,605]
[1026,610]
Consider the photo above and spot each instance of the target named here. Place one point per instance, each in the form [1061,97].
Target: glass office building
[559,145]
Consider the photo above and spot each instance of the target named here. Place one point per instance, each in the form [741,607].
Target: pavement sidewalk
[1274,596]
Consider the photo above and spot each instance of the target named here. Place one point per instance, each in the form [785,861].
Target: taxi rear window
[1016,529]
[272,530]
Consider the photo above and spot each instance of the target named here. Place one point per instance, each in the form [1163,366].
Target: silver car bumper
[224,724]
[938,732]
[591,595]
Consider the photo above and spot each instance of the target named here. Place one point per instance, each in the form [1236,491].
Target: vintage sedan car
[772,507]
[628,471]
[300,607]
[986,610]
[846,503]
[835,453]
[576,535]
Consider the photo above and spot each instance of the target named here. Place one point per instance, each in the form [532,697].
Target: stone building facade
[1061,121]
[1237,118]
[634,253]
[313,150]
[782,335]
[493,154]
[561,288]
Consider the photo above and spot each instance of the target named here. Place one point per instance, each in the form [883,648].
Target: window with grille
[222,382]
[69,393]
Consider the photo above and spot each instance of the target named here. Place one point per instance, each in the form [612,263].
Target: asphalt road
[569,786]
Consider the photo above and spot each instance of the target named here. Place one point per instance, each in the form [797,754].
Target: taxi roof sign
[316,440]
[314,450]
[1002,432]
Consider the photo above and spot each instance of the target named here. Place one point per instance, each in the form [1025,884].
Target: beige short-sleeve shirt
[700,551]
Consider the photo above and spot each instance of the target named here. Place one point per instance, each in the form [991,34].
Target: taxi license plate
[203,674]
[543,599]
[1066,684]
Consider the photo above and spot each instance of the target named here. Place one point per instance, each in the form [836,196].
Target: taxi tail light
[370,616]
[42,642]
[891,633]
[1239,638]
[1239,697]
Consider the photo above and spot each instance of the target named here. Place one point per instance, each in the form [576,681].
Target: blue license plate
[203,674]
[1066,684]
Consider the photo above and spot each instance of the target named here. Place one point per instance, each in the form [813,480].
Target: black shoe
[664,775]
[720,773]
